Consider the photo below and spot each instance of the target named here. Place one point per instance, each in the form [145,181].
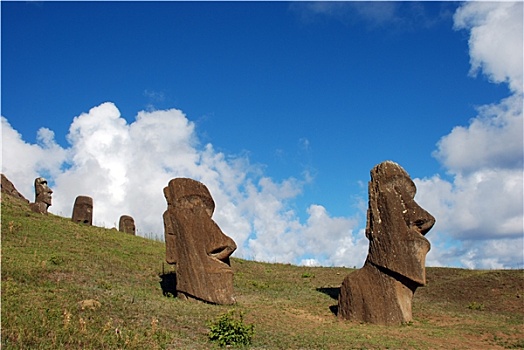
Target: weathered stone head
[180,193]
[42,191]
[43,198]
[127,224]
[196,244]
[83,210]
[396,224]
[188,193]
[382,290]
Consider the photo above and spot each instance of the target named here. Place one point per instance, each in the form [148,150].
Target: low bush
[476,306]
[229,330]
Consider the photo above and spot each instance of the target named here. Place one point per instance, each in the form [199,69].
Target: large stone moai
[127,224]
[196,244]
[83,210]
[381,292]
[42,196]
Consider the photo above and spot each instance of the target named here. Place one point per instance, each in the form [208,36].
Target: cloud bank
[482,206]
[124,168]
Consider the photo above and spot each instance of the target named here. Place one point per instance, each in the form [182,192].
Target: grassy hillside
[50,265]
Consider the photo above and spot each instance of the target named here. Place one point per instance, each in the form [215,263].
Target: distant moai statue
[381,292]
[196,244]
[83,210]
[43,198]
[127,224]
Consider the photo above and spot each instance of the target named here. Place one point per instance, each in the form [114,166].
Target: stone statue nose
[423,220]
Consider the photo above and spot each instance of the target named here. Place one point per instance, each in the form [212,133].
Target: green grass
[50,265]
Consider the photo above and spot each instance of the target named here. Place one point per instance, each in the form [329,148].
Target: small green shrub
[230,330]
[307,275]
[259,285]
[476,306]
[56,260]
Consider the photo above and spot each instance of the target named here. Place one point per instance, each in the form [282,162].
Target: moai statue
[42,196]
[196,244]
[83,210]
[381,292]
[126,224]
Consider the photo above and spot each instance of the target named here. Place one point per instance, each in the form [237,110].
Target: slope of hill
[68,286]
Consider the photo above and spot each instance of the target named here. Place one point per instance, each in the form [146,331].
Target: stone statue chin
[382,291]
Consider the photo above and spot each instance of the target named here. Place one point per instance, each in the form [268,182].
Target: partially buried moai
[126,224]
[43,198]
[83,210]
[196,244]
[381,292]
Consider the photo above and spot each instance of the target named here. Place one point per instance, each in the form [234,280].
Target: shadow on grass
[168,284]
[333,292]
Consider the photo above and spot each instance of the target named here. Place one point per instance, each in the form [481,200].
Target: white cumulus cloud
[492,139]
[125,166]
[496,39]
[23,160]
[482,206]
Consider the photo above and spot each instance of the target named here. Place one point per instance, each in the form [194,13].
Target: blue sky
[281,109]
